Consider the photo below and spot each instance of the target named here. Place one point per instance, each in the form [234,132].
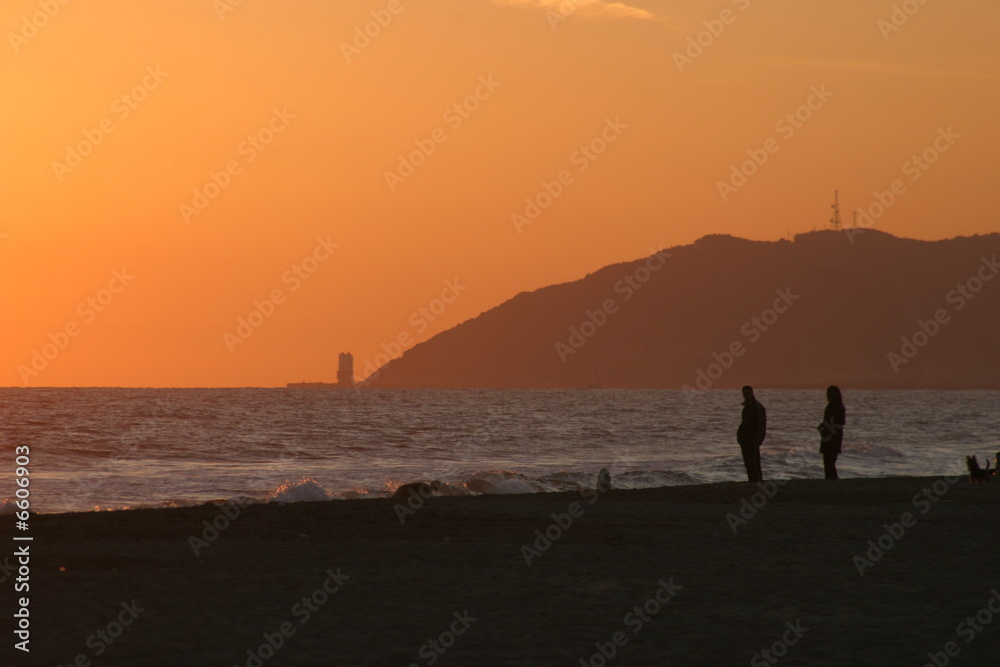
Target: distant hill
[847,309]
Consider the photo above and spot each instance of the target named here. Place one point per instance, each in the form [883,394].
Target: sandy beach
[808,572]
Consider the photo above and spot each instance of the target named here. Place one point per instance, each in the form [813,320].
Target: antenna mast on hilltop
[835,220]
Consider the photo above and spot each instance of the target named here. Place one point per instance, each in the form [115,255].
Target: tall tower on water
[345,370]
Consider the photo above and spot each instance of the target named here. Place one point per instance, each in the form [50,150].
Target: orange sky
[160,94]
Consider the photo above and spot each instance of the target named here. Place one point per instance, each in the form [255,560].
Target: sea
[98,449]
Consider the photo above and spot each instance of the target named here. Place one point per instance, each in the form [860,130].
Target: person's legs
[830,465]
[748,462]
[757,469]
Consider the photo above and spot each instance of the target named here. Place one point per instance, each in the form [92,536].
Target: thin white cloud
[586,8]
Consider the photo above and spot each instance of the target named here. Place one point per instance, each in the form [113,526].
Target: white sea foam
[504,481]
[490,482]
[304,490]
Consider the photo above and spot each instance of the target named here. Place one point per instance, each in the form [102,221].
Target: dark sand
[792,563]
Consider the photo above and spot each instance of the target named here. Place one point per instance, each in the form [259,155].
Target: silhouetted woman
[831,431]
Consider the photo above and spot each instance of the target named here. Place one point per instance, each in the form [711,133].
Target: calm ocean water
[115,448]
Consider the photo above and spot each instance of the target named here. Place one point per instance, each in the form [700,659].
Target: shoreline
[550,577]
[247,501]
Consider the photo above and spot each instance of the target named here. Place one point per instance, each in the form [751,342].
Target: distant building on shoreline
[345,376]
[345,370]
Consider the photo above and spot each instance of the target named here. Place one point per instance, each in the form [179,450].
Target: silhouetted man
[751,433]
[831,431]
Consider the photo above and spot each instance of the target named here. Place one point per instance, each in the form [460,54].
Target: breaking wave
[492,482]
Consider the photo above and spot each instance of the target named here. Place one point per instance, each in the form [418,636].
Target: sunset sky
[168,166]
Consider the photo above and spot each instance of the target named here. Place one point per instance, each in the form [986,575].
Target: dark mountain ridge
[859,308]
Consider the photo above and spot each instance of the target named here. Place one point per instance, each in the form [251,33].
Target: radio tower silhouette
[835,220]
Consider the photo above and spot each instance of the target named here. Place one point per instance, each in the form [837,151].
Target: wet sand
[648,577]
